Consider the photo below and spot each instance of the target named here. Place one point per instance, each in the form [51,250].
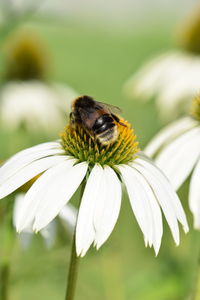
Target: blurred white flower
[27,97]
[67,215]
[35,105]
[176,150]
[172,78]
[65,164]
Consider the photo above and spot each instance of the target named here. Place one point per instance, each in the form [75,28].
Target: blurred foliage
[97,62]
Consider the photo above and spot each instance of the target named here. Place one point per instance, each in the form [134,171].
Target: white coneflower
[34,105]
[77,157]
[67,216]
[176,150]
[26,98]
[173,77]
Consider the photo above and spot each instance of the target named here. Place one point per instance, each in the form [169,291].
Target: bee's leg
[122,124]
[118,120]
[115,118]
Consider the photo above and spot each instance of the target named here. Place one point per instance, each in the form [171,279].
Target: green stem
[73,273]
[74,262]
[4,281]
[7,239]
[196,287]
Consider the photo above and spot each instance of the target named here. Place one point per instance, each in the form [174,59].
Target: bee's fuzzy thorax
[79,144]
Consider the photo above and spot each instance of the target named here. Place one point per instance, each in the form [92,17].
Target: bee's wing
[110,108]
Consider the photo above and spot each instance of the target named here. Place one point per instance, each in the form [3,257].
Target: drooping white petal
[28,172]
[166,185]
[163,196]
[172,196]
[25,157]
[25,237]
[194,195]
[168,134]
[19,198]
[36,194]
[138,201]
[107,206]
[68,216]
[168,211]
[61,189]
[178,158]
[144,205]
[85,232]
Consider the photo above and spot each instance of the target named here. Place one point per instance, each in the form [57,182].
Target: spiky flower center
[26,58]
[195,109]
[189,37]
[84,147]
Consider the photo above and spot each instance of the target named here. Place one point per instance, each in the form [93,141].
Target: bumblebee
[98,119]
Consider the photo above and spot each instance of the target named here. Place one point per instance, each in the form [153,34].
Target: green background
[97,61]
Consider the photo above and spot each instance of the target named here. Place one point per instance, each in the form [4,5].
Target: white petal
[194,195]
[144,205]
[85,232]
[25,157]
[172,196]
[29,172]
[61,189]
[168,134]
[68,216]
[25,237]
[36,194]
[107,207]
[137,200]
[166,197]
[19,198]
[178,158]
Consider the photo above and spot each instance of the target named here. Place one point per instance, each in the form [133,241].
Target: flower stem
[7,243]
[74,262]
[195,295]
[4,281]
[73,272]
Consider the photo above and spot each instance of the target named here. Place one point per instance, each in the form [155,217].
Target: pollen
[195,109]
[79,144]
